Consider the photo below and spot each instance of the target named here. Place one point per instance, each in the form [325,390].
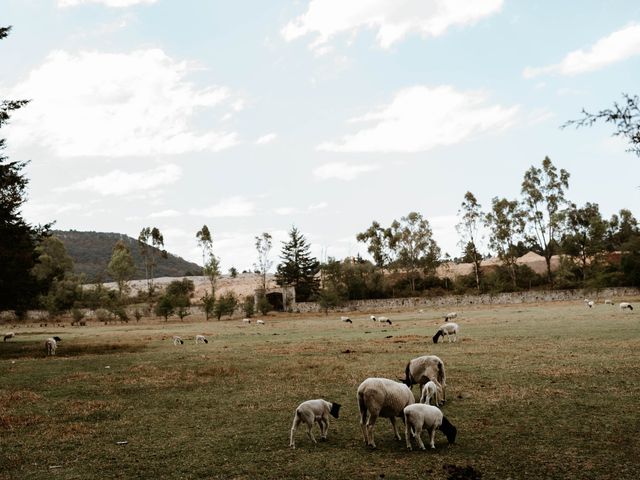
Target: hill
[91,252]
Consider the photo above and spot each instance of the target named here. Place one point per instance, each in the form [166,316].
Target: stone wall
[450,301]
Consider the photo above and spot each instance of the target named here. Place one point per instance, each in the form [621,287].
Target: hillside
[91,252]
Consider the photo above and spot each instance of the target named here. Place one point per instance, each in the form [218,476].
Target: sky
[253,116]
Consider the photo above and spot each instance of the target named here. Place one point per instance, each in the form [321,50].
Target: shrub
[264,306]
[103,315]
[248,306]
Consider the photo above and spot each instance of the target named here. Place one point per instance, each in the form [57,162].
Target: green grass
[536,391]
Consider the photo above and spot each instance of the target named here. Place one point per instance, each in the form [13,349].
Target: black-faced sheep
[201,339]
[625,305]
[384,320]
[260,322]
[311,411]
[449,329]
[8,335]
[177,340]
[450,315]
[381,397]
[345,319]
[422,369]
[419,416]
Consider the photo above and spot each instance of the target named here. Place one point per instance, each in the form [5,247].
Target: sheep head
[335,410]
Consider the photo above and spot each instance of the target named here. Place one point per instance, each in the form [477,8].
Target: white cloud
[118,182]
[392,19]
[228,207]
[342,171]
[165,214]
[284,211]
[268,138]
[420,118]
[317,206]
[108,3]
[117,104]
[613,48]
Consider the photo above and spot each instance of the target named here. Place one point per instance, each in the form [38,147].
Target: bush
[103,315]
[164,307]
[208,304]
[137,314]
[249,306]
[77,315]
[264,306]
[225,305]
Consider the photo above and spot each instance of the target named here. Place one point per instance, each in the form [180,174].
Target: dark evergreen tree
[298,268]
[18,240]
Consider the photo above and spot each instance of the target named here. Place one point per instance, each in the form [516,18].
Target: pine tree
[18,240]
[298,268]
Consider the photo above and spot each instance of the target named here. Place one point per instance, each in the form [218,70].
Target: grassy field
[536,391]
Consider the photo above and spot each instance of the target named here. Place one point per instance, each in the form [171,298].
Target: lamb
[311,411]
[381,397]
[246,320]
[450,315]
[201,339]
[345,319]
[449,329]
[50,345]
[8,335]
[430,389]
[384,320]
[177,340]
[420,370]
[260,322]
[419,416]
[624,305]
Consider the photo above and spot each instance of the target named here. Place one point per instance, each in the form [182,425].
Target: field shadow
[15,350]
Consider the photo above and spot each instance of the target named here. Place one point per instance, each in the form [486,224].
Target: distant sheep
[311,411]
[419,416]
[246,320]
[260,322]
[345,319]
[450,315]
[429,390]
[625,305]
[177,340]
[420,370]
[201,339]
[373,317]
[381,397]
[50,345]
[384,320]
[449,329]
[608,301]
[589,303]
[8,335]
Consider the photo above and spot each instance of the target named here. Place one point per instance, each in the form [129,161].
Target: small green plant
[77,315]
[208,304]
[103,315]
[264,306]
[137,314]
[164,307]
[249,306]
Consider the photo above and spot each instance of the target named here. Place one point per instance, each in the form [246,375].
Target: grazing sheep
[449,329]
[50,345]
[381,397]
[589,303]
[201,339]
[384,320]
[57,339]
[419,416]
[420,370]
[608,301]
[311,411]
[430,389]
[177,340]
[246,320]
[450,315]
[373,317]
[260,322]
[8,335]
[346,319]
[624,305]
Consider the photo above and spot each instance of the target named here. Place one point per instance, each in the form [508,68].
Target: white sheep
[345,319]
[8,335]
[608,301]
[625,305]
[381,397]
[419,416]
[311,411]
[246,320]
[201,339]
[50,346]
[260,322]
[589,303]
[384,320]
[449,329]
[420,370]
[177,340]
[450,315]
[429,390]
[373,317]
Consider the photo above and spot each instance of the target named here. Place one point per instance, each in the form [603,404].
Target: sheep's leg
[407,434]
[324,428]
[395,428]
[433,436]
[371,423]
[363,424]
[419,437]
[310,433]
[296,423]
